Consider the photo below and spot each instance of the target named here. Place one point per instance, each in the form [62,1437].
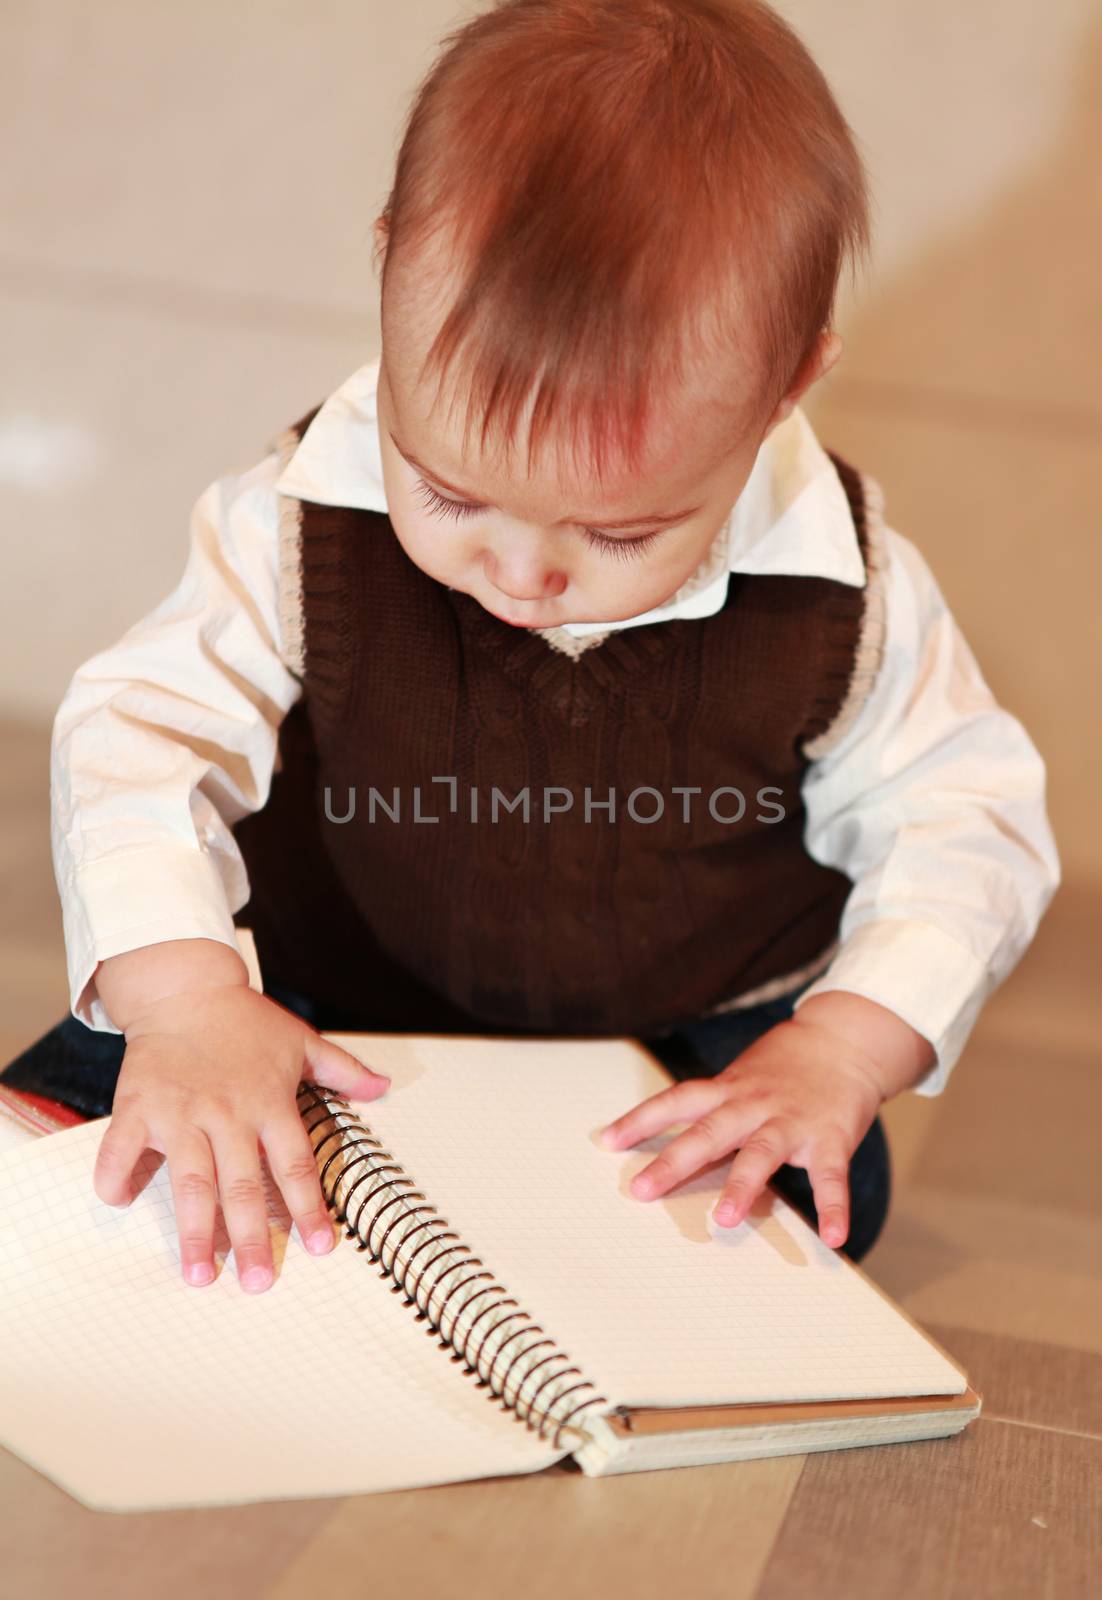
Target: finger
[124,1141]
[715,1134]
[829,1174]
[326,1063]
[244,1205]
[295,1170]
[194,1195]
[764,1151]
[681,1102]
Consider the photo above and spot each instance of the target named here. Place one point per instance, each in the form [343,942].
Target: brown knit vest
[577,918]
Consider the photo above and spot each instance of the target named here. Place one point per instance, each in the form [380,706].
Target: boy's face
[537,551]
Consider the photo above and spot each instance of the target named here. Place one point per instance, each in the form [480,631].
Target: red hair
[624,186]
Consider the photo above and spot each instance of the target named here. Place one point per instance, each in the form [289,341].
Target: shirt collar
[792,518]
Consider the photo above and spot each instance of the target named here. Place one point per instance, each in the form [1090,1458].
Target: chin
[515,622]
[503,614]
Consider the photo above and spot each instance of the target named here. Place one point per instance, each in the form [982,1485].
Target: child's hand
[209,1074]
[805,1093]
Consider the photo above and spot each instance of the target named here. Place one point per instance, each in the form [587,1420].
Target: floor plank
[1002,1510]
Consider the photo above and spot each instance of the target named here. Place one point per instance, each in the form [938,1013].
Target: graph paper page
[135,1391]
[656,1304]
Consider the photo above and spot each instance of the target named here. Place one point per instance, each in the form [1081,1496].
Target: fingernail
[607,1138]
[642,1186]
[726,1213]
[256,1278]
[199,1273]
[319,1243]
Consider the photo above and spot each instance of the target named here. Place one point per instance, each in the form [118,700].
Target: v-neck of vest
[527,657]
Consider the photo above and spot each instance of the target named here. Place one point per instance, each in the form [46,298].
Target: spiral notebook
[496,1302]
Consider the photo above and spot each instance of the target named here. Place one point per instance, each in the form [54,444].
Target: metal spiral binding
[354,1178]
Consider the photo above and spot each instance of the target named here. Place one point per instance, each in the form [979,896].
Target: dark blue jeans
[79,1066]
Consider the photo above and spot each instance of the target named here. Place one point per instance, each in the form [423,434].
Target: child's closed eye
[622,549]
[440,505]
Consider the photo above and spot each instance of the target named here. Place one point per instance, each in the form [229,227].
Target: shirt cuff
[928,978]
[134,898]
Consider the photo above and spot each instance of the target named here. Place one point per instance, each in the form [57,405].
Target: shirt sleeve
[933,802]
[166,739]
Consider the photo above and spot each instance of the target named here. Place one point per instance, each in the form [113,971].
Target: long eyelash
[440,506]
[622,549]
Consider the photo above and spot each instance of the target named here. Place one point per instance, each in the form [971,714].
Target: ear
[824,353]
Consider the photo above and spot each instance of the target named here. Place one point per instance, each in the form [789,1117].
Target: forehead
[692,428]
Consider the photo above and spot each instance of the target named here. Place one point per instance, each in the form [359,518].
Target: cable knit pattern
[435,906]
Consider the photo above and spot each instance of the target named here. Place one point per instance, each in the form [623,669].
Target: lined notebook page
[654,1302]
[135,1391]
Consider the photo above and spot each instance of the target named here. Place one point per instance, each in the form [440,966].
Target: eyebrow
[662,518]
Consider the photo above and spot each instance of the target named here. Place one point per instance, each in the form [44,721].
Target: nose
[523,576]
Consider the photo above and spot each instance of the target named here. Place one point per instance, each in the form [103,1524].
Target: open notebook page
[134,1390]
[651,1299]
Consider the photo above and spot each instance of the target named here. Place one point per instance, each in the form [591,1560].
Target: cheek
[437,547]
[625,587]
[621,587]
[658,570]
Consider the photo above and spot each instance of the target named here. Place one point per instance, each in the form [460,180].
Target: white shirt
[932,802]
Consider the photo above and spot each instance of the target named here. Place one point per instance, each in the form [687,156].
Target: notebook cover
[683,1419]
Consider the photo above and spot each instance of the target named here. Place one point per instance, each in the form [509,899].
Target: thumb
[326,1063]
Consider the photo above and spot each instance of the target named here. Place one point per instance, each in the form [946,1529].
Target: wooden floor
[994,1244]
